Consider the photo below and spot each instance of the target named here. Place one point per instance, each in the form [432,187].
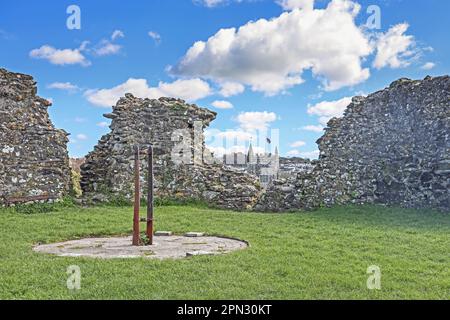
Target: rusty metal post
[150,196]
[137,198]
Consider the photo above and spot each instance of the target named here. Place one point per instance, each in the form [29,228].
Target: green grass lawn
[317,255]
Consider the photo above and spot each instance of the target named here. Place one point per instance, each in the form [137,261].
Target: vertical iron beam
[137,198]
[150,196]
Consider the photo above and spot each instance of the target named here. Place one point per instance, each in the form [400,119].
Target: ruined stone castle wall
[34,163]
[175,129]
[391,147]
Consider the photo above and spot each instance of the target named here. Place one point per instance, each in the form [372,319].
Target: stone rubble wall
[166,123]
[34,161]
[391,147]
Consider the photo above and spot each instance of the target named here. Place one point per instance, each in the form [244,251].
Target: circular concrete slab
[171,247]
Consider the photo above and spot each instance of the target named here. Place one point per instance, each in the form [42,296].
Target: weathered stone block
[163,233]
[194,234]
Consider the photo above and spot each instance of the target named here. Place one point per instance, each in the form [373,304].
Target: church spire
[251,154]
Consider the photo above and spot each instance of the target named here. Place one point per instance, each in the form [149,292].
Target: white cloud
[298,144]
[239,139]
[329,109]
[82,137]
[155,36]
[271,55]
[190,90]
[216,3]
[60,56]
[117,34]
[67,86]
[238,135]
[428,66]
[394,48]
[83,46]
[103,124]
[296,4]
[79,120]
[219,104]
[229,89]
[313,128]
[307,155]
[5,35]
[256,120]
[217,138]
[211,3]
[310,154]
[252,129]
[293,153]
[107,48]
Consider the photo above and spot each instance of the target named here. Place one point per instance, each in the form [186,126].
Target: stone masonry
[391,147]
[34,163]
[184,168]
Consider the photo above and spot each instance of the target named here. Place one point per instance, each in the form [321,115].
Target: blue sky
[291,72]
